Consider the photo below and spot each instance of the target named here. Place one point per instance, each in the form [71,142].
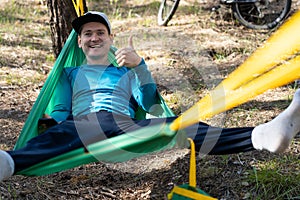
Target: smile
[96,46]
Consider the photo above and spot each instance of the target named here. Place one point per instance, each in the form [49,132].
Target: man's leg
[59,139]
[6,165]
[218,141]
[209,139]
[55,141]
[276,135]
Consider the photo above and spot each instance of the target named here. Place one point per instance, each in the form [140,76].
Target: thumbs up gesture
[127,56]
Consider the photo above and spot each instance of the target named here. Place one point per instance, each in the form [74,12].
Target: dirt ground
[187,58]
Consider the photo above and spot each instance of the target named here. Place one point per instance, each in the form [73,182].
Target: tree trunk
[62,13]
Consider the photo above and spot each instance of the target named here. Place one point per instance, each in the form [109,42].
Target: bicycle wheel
[263,14]
[166,11]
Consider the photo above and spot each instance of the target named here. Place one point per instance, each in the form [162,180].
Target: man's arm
[146,92]
[63,99]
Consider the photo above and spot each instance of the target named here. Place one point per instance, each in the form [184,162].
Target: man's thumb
[130,41]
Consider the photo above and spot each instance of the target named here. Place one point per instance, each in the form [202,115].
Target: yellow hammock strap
[281,45]
[192,180]
[218,101]
[190,194]
[79,7]
[192,175]
[267,68]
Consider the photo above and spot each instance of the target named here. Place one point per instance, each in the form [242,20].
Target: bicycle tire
[248,14]
[166,11]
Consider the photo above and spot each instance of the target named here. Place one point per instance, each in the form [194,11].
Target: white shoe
[276,135]
[7,165]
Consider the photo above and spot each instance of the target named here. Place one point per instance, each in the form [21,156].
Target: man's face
[95,42]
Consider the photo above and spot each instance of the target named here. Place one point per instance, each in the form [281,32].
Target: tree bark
[62,13]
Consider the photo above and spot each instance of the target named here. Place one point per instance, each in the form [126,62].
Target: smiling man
[99,101]
[95,42]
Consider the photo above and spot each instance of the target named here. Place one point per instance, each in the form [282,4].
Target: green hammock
[117,149]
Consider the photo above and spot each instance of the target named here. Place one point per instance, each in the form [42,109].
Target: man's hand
[127,56]
[45,123]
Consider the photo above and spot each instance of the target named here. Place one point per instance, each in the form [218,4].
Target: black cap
[91,16]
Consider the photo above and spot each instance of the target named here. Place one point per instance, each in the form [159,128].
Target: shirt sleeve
[146,93]
[63,99]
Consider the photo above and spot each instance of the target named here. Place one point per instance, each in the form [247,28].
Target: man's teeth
[96,46]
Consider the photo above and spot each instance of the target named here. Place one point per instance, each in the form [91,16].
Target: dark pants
[72,134]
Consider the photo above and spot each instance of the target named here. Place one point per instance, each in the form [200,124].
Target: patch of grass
[180,100]
[7,14]
[16,11]
[24,25]
[12,191]
[193,9]
[50,58]
[221,54]
[19,80]
[278,178]
[148,22]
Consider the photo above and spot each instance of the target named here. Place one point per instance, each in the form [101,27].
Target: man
[102,100]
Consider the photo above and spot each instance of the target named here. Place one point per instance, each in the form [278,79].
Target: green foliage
[278,178]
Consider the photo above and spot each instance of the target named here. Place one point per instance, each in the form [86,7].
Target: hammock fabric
[117,149]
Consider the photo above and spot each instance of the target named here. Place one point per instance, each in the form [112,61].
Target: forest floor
[190,56]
